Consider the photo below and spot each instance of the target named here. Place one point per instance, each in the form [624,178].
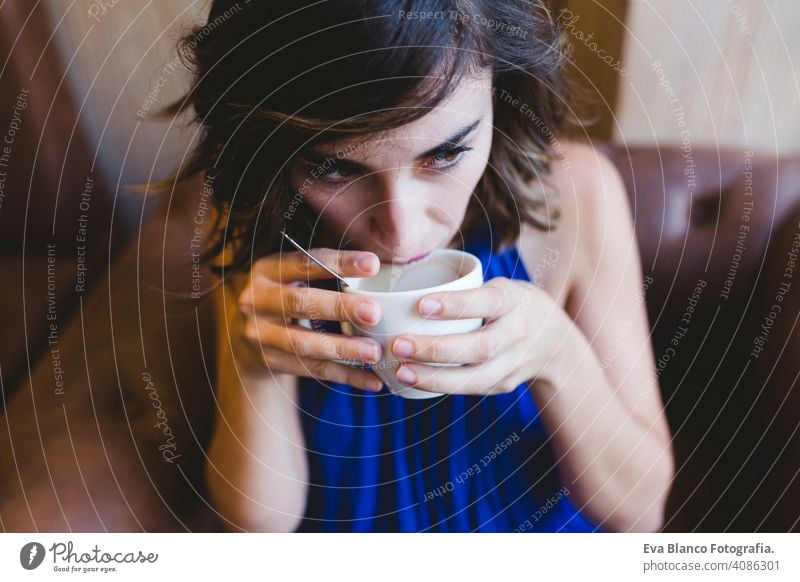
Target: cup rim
[476,265]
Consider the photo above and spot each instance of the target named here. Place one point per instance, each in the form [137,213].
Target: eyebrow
[359,167]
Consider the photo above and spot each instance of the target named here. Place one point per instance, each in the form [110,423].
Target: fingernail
[366,312]
[406,376]
[429,306]
[403,348]
[365,262]
[374,384]
[368,353]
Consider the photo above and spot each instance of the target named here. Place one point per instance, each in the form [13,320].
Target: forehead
[468,102]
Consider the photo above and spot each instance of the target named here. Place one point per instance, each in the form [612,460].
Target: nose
[397,219]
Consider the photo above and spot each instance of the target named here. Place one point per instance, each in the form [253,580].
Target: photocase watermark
[744,227]
[622,333]
[31,555]
[681,331]
[691,306]
[678,112]
[319,170]
[52,322]
[741,19]
[168,447]
[528,111]
[678,335]
[176,63]
[81,235]
[196,242]
[100,8]
[546,507]
[210,27]
[567,19]
[387,363]
[458,16]
[760,341]
[67,559]
[315,324]
[155,91]
[20,105]
[316,172]
[474,469]
[546,261]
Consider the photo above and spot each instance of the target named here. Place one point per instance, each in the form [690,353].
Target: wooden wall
[115,54]
[729,70]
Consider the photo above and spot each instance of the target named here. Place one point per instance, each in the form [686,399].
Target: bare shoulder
[587,190]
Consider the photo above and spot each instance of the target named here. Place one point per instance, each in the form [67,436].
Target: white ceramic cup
[398,289]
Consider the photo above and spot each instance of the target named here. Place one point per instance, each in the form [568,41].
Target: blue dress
[382,463]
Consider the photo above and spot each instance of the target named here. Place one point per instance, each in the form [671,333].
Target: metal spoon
[310,256]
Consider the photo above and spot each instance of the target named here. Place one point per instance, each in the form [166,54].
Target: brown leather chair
[89,455]
[733,409]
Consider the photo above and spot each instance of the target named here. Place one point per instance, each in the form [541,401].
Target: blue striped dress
[382,463]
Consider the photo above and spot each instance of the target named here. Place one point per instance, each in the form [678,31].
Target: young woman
[376,132]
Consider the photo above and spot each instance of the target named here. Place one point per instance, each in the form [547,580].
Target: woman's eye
[334,177]
[446,158]
[335,174]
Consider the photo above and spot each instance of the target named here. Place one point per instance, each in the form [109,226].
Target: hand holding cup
[277,295]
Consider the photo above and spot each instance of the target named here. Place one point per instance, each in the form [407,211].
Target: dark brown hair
[271,78]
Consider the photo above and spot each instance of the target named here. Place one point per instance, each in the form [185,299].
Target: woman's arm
[600,398]
[257,470]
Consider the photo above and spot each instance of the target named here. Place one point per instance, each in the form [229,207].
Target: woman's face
[405,192]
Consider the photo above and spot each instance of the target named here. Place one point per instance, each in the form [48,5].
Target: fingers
[274,295]
[495,298]
[479,379]
[322,370]
[312,344]
[284,301]
[295,266]
[461,348]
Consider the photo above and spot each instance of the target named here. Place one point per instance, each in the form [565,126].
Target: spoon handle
[310,256]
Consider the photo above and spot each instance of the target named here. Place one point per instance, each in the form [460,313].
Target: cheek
[473,168]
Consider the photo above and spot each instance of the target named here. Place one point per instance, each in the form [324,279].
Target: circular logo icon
[31,555]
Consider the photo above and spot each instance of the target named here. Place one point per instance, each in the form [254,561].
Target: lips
[413,259]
